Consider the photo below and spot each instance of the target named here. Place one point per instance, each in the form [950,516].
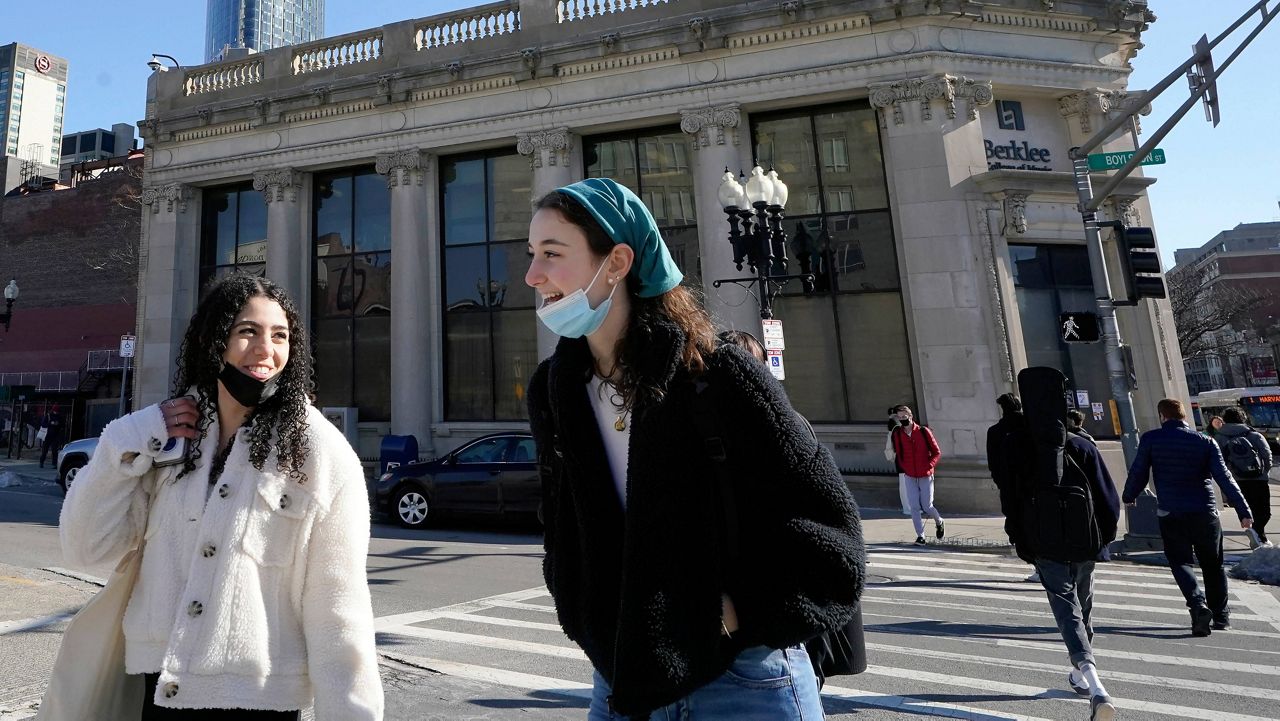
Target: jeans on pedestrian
[762,684]
[917,493]
[1198,532]
[1258,495]
[1070,590]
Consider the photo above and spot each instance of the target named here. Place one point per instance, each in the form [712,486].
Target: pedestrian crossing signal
[1079,327]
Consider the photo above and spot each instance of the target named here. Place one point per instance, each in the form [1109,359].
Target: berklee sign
[1079,327]
[1140,263]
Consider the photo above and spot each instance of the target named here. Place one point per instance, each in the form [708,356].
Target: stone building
[385,177]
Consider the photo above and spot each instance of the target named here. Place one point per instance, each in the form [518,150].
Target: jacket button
[223,491]
[284,501]
[155,445]
[195,609]
[170,690]
[208,550]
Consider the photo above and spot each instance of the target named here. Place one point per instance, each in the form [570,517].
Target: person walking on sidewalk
[1075,424]
[684,592]
[1185,464]
[1249,458]
[251,602]
[915,452]
[54,426]
[1059,477]
[1007,443]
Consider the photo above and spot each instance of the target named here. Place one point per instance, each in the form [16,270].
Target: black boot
[1201,618]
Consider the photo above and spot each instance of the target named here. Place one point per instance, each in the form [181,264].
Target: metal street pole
[124,383]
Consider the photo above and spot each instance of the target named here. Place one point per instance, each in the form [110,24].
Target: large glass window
[351,296]
[1050,280]
[655,165]
[491,345]
[233,232]
[847,356]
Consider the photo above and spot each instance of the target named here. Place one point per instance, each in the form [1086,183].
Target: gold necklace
[620,424]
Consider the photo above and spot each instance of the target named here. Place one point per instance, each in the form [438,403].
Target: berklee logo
[1010,116]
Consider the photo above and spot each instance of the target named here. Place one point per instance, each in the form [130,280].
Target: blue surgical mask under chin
[572,316]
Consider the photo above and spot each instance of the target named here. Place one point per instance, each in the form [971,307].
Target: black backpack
[1057,502]
[1243,458]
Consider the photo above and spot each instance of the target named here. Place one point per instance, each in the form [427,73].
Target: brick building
[73,253]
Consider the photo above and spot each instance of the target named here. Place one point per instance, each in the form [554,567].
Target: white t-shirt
[605,403]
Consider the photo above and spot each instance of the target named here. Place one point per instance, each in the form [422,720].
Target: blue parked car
[494,476]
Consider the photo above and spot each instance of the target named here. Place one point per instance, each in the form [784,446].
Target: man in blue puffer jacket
[1183,462]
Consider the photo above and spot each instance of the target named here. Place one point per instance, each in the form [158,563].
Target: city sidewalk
[26,471]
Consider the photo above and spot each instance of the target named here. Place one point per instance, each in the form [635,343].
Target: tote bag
[89,680]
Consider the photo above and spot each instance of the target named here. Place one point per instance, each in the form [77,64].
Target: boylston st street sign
[1116,161]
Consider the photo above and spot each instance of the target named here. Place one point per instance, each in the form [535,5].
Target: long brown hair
[680,306]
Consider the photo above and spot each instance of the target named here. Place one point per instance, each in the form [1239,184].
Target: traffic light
[1140,263]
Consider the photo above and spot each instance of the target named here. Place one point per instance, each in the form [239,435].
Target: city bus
[1261,404]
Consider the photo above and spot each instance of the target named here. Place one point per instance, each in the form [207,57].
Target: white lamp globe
[759,187]
[780,191]
[729,191]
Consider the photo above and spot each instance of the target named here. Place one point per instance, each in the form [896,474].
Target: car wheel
[69,471]
[411,508]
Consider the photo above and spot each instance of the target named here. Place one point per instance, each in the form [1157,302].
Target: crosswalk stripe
[1185,712]
[1035,590]
[1037,599]
[1260,602]
[540,608]
[1109,675]
[31,624]
[500,621]
[1013,562]
[578,690]
[876,565]
[501,644]
[479,604]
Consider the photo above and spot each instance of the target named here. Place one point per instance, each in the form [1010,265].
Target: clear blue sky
[1215,178]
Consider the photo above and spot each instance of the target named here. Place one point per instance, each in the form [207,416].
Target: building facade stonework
[924,143]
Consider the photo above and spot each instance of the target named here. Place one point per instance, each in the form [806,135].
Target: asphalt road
[467,631]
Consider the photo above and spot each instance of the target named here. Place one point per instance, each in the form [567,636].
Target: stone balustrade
[570,10]
[358,47]
[463,26]
[222,76]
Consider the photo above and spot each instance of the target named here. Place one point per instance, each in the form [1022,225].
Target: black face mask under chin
[247,390]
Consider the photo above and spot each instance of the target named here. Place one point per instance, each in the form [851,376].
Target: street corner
[31,599]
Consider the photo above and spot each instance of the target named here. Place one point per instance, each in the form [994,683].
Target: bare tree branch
[1203,309]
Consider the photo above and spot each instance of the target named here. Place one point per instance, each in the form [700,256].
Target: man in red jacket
[915,452]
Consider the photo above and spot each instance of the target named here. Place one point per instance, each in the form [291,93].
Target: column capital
[928,88]
[1124,209]
[171,195]
[278,184]
[403,167]
[1097,101]
[710,123]
[547,147]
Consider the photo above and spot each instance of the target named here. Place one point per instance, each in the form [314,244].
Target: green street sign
[1116,161]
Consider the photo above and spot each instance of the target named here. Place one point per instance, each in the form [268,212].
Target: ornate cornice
[925,90]
[1125,210]
[1097,101]
[710,123]
[278,184]
[402,167]
[545,147]
[173,194]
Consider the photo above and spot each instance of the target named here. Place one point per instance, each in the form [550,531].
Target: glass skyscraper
[261,24]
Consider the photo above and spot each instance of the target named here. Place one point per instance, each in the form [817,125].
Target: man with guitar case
[1064,515]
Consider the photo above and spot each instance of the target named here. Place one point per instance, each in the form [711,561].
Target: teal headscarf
[626,219]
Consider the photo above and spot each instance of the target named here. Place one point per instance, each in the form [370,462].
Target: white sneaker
[1254,539]
[1033,578]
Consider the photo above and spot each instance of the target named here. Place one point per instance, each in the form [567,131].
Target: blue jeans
[762,684]
[1070,590]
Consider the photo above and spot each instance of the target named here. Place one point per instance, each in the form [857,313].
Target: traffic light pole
[1202,75]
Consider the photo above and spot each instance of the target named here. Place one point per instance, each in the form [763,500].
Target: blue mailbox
[397,451]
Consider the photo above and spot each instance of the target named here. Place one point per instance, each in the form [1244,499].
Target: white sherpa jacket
[252,594]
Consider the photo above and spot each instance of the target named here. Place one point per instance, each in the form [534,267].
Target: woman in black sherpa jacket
[638,570]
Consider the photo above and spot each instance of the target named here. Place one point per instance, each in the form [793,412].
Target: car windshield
[488,450]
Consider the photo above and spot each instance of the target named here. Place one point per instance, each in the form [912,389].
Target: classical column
[933,145]
[411,331]
[168,285]
[549,153]
[716,143]
[286,249]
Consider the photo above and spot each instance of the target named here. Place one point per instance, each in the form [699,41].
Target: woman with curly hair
[696,533]
[251,601]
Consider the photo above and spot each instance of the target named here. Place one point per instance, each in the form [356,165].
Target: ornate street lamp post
[755,211]
[10,295]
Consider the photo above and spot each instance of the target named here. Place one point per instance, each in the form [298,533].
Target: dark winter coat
[1182,462]
[1009,446]
[916,453]
[640,589]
